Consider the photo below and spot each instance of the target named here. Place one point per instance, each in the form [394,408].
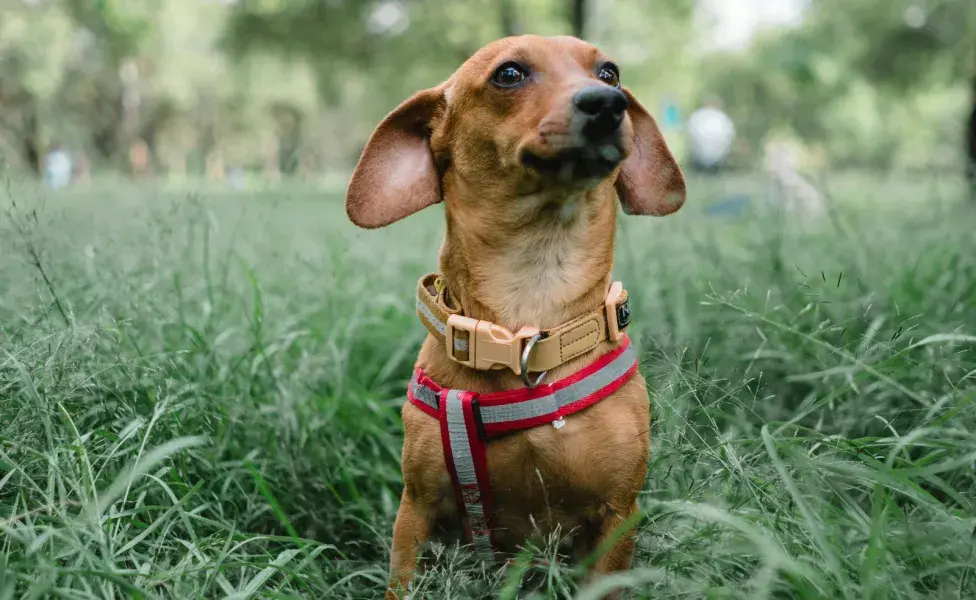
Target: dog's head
[525,117]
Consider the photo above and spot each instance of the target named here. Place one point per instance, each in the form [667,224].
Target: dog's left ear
[396,175]
[650,181]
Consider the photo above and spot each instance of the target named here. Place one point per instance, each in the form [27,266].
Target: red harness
[469,421]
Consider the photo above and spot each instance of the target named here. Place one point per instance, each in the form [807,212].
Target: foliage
[200,397]
[299,84]
[120,28]
[876,57]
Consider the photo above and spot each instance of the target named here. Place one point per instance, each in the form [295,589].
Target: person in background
[235,177]
[82,170]
[790,188]
[710,134]
[140,165]
[57,167]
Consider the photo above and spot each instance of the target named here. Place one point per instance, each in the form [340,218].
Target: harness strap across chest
[469,420]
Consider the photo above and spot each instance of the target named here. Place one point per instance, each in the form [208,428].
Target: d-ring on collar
[524,364]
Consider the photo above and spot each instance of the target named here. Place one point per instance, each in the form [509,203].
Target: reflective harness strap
[467,462]
[479,349]
[468,420]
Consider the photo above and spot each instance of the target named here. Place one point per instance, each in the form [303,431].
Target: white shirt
[710,133]
[58,169]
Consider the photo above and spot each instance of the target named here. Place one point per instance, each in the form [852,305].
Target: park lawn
[200,394]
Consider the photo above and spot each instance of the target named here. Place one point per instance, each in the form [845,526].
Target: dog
[528,144]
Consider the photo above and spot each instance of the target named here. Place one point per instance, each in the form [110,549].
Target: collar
[483,345]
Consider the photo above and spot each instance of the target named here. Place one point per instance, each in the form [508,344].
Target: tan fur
[520,249]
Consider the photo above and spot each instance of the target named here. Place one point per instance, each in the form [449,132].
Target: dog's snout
[602,107]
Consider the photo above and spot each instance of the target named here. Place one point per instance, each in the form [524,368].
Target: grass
[199,397]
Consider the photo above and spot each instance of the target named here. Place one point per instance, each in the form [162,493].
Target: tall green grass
[199,397]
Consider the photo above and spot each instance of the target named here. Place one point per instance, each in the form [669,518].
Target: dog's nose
[602,107]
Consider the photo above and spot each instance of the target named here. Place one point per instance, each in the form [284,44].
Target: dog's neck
[540,261]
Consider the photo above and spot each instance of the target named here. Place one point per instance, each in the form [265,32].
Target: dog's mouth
[575,164]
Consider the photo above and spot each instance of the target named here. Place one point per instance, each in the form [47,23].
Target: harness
[470,420]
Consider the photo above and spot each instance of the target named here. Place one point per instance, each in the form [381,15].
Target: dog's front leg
[621,553]
[410,530]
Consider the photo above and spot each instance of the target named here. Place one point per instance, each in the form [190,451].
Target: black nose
[602,108]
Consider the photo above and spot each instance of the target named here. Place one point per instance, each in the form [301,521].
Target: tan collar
[528,350]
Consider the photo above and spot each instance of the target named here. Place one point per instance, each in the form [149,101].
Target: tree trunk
[20,110]
[151,126]
[509,20]
[577,17]
[31,136]
[19,118]
[289,130]
[104,139]
[105,121]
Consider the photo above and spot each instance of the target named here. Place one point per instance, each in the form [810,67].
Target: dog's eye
[509,75]
[609,74]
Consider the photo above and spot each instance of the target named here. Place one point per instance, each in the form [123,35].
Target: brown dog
[528,145]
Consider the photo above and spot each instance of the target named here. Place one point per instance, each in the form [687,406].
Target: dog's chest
[547,477]
[577,453]
[535,275]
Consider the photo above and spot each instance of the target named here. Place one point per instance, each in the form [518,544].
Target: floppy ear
[396,175]
[650,181]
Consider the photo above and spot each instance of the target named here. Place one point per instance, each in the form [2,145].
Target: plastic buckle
[490,346]
[618,317]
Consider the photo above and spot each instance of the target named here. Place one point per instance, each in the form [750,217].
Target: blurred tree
[389,48]
[118,30]
[393,40]
[19,108]
[32,50]
[301,83]
[872,55]
[394,47]
[509,18]
[903,47]
[577,17]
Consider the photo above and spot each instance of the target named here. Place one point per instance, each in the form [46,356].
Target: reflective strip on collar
[429,316]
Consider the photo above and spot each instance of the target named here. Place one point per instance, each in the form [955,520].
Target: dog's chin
[580,165]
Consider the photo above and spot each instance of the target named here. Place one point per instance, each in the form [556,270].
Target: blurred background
[193,306]
[249,91]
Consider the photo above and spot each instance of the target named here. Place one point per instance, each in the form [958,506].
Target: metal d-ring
[524,363]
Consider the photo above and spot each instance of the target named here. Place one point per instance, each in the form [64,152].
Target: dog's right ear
[650,181]
[396,175]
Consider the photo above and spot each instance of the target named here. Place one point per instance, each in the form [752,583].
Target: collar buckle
[490,346]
